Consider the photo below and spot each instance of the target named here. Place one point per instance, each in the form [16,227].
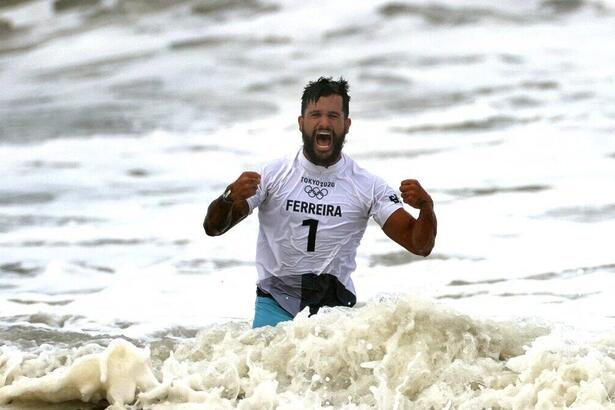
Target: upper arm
[399,227]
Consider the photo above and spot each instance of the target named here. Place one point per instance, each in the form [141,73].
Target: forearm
[219,217]
[231,207]
[424,232]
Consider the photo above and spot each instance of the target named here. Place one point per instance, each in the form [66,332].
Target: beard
[325,160]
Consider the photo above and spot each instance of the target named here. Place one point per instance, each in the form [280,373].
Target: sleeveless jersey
[312,219]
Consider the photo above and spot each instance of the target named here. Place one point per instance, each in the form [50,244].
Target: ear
[300,121]
[347,123]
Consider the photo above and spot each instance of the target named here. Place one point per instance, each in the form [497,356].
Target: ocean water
[120,120]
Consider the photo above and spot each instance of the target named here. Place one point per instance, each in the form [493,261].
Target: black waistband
[298,291]
[260,292]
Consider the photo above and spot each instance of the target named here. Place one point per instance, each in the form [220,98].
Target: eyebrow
[317,111]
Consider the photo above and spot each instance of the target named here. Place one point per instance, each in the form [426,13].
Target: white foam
[116,375]
[397,353]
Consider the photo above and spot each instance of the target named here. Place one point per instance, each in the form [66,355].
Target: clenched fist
[414,195]
[245,186]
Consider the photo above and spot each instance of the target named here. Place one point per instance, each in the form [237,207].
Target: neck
[319,163]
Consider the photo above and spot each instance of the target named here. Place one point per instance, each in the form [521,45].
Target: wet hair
[324,87]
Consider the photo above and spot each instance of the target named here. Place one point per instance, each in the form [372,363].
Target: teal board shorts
[267,312]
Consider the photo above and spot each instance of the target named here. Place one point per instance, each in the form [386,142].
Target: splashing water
[389,354]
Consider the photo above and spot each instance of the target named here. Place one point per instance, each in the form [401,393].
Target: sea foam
[395,353]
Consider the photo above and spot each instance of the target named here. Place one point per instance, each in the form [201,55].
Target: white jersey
[312,220]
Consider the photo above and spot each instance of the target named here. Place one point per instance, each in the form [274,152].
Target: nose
[324,123]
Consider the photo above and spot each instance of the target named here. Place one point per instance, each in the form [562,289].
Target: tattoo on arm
[222,216]
[218,218]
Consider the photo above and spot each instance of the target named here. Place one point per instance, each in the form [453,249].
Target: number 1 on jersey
[313,224]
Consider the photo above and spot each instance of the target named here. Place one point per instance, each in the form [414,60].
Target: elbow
[427,246]
[212,230]
[424,250]
[209,231]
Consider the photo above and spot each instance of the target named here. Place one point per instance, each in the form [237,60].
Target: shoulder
[279,168]
[279,164]
[359,174]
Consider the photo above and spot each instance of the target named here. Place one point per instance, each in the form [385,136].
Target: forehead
[331,102]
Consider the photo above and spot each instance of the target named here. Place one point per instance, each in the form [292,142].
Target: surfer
[313,210]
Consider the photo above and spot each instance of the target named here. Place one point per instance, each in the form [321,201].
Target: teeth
[325,133]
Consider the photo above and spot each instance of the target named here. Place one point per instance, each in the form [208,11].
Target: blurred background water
[120,120]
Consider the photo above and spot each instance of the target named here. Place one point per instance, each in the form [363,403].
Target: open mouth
[324,140]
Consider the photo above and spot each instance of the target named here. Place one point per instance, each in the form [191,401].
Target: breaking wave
[396,353]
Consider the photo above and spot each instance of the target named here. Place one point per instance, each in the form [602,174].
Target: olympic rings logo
[316,192]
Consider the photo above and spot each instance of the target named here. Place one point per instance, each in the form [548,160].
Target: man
[313,210]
